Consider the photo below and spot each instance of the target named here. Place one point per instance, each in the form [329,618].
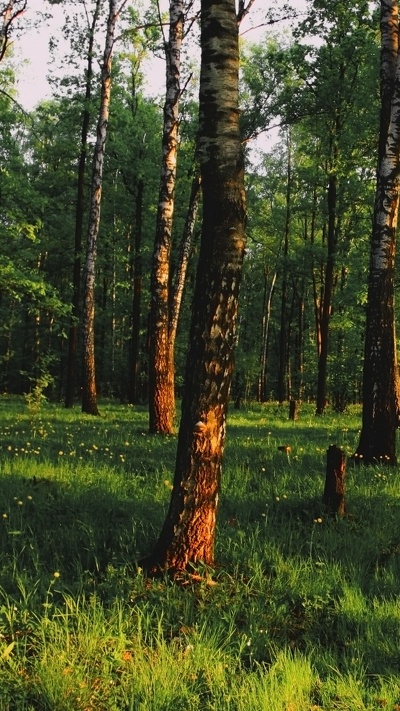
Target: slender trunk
[89,393]
[79,212]
[283,343]
[161,381]
[262,387]
[380,377]
[183,257]
[134,361]
[188,534]
[328,293]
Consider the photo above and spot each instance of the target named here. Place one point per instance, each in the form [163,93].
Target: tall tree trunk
[328,293]
[161,381]
[262,378]
[79,212]
[188,533]
[89,393]
[378,433]
[283,341]
[134,362]
[183,258]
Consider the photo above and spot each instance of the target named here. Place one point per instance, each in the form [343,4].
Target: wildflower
[60,453]
[95,447]
[30,498]
[318,520]
[5,515]
[56,574]
[20,503]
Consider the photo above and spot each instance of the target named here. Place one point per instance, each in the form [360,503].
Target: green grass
[305,612]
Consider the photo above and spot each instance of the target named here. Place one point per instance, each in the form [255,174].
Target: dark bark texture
[188,534]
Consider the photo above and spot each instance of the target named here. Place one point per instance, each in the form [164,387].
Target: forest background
[314,77]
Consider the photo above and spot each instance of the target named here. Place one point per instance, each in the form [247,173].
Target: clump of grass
[304,614]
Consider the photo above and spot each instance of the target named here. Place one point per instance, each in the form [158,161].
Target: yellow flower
[5,515]
[56,574]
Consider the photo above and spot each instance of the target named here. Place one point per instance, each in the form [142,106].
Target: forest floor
[304,610]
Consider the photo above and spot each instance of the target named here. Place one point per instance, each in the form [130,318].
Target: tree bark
[188,534]
[335,489]
[380,378]
[283,335]
[79,212]
[161,380]
[89,393]
[134,361]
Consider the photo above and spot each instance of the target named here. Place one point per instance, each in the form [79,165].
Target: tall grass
[304,612]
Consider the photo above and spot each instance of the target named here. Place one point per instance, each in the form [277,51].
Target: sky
[32,48]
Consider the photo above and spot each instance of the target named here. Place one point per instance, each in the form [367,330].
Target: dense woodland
[304,287]
[128,226]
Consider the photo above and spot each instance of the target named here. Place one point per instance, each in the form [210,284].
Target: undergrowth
[304,612]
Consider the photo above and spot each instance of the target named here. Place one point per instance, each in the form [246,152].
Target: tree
[79,214]
[187,537]
[9,14]
[378,434]
[161,367]
[89,393]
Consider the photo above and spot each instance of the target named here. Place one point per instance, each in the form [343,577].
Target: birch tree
[161,367]
[89,393]
[378,434]
[188,534]
[79,213]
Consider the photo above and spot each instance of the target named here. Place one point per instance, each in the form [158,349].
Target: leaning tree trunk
[161,380]
[89,393]
[188,533]
[79,212]
[378,433]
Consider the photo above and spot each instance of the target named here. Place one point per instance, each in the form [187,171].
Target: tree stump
[293,410]
[334,492]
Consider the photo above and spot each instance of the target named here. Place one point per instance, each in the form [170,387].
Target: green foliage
[303,612]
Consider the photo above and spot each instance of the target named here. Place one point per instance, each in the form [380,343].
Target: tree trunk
[262,378]
[161,380]
[334,491]
[89,393]
[134,361]
[188,534]
[328,292]
[79,212]
[283,339]
[380,377]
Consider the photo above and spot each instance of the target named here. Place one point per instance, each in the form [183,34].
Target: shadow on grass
[49,526]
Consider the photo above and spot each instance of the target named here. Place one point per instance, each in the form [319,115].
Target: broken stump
[334,492]
[293,410]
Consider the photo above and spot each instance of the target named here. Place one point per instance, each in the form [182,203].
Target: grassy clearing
[306,610]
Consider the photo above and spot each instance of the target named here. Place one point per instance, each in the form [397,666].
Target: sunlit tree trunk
[378,433]
[161,380]
[89,394]
[79,212]
[188,534]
